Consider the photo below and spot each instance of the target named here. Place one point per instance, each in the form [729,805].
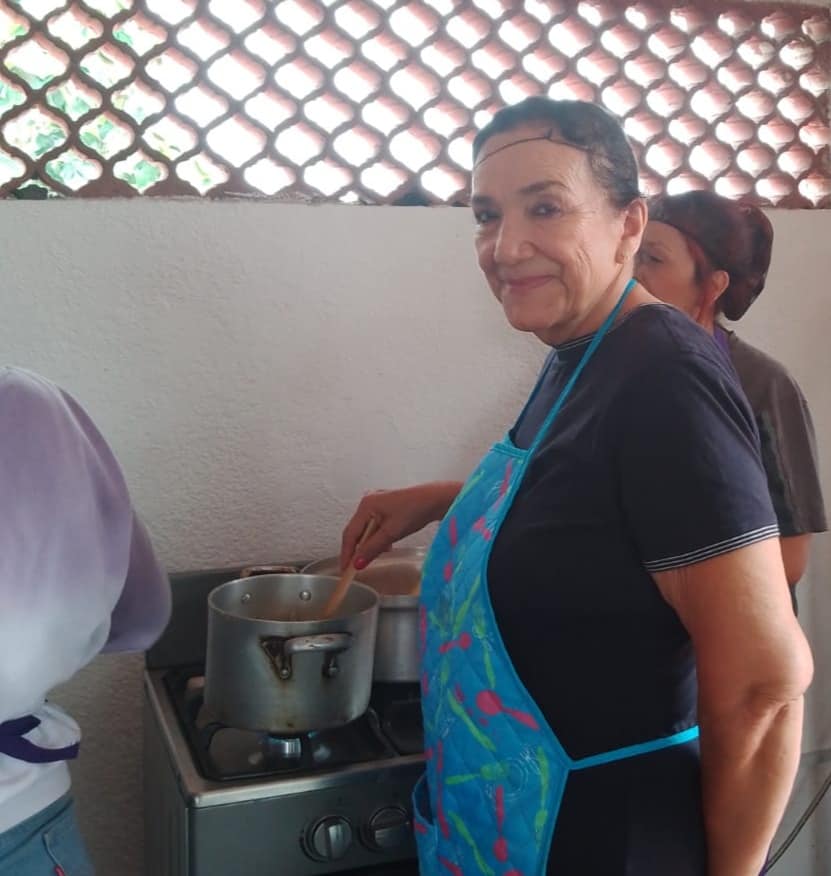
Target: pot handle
[280,651]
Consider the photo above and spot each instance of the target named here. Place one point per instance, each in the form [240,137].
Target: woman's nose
[512,245]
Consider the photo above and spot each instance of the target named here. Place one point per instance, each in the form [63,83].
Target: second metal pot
[272,664]
[396,576]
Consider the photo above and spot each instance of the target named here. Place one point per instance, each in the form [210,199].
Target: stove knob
[388,828]
[330,838]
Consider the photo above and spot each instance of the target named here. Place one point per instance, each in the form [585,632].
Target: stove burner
[390,727]
[281,747]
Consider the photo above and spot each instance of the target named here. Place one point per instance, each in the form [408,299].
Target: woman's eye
[482,217]
[546,210]
[648,258]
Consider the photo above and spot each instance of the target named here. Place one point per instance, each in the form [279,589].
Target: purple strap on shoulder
[14,745]
[720,336]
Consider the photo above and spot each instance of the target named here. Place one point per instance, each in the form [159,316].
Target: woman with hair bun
[709,257]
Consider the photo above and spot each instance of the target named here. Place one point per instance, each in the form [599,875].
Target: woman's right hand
[399,513]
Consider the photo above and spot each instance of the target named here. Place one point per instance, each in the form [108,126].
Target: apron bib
[495,771]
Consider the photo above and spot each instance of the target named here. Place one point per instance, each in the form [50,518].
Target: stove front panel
[327,831]
[343,822]
[165,814]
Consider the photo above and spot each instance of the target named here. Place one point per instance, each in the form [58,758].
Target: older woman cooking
[710,256]
[610,572]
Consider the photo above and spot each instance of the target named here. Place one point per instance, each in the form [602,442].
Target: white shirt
[77,572]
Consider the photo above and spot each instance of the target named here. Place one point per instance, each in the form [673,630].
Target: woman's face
[666,267]
[554,251]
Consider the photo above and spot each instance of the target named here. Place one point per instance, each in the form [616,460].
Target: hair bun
[762,236]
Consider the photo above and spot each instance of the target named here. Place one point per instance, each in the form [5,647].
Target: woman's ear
[635,217]
[715,286]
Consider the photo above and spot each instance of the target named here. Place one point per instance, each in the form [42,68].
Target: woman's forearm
[748,761]
[400,513]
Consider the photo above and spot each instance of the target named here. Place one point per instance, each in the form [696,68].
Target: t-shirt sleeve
[789,454]
[143,610]
[692,484]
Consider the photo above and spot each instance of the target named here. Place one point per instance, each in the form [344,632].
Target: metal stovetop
[180,653]
[203,791]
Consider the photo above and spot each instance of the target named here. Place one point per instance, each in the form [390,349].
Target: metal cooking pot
[272,664]
[396,576]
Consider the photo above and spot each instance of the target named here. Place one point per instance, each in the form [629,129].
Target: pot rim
[387,601]
[337,620]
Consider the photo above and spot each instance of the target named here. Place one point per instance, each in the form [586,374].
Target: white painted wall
[257,366]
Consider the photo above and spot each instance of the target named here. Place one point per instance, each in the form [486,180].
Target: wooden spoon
[339,593]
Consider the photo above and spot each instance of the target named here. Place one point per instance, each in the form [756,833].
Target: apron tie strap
[14,745]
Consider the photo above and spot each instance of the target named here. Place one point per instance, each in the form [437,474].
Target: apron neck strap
[584,360]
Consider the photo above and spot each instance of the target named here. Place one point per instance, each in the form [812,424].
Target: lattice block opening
[375,101]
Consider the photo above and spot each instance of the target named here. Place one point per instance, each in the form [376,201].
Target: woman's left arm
[754,664]
[795,552]
[789,454]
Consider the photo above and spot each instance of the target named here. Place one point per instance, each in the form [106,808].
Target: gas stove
[222,801]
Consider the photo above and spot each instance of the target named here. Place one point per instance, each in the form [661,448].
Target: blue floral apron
[496,771]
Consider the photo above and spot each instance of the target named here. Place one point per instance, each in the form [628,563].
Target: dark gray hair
[583,125]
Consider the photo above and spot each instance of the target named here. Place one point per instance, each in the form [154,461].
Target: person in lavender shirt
[709,256]
[77,576]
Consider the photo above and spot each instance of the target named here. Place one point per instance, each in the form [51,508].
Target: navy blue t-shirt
[652,464]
